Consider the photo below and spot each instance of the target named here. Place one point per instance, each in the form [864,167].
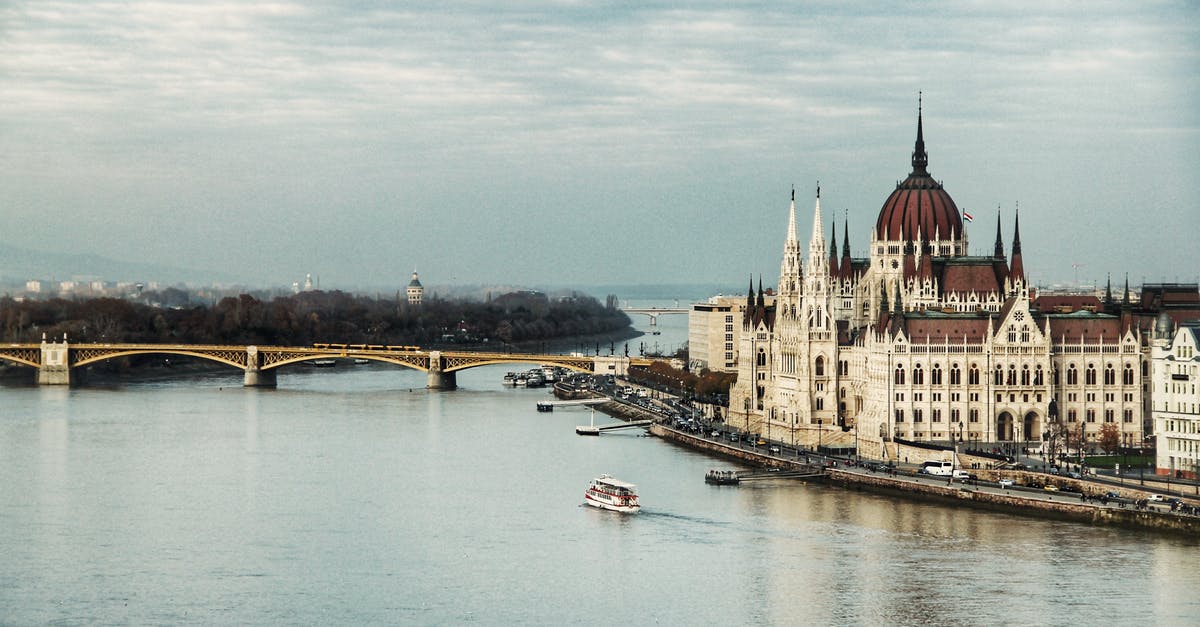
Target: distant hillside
[18,265]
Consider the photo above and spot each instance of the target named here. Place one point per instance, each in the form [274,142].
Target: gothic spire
[791,232]
[833,253]
[1108,291]
[791,268]
[1125,299]
[816,245]
[1017,268]
[999,254]
[847,270]
[920,159]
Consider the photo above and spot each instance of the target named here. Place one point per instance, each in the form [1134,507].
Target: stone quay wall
[1057,505]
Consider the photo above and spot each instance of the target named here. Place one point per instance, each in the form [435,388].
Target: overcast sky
[575,143]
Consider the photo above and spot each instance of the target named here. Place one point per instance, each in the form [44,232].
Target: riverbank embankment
[848,475]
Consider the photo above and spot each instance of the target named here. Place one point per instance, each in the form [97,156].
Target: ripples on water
[357,496]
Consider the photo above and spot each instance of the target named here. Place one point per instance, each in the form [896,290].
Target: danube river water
[353,495]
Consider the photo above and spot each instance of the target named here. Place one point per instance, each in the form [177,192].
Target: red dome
[919,208]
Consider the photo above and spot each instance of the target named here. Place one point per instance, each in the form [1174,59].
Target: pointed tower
[817,285]
[790,269]
[847,268]
[1016,268]
[816,245]
[833,254]
[999,252]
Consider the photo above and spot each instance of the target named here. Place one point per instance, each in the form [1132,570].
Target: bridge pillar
[439,379]
[56,364]
[256,376]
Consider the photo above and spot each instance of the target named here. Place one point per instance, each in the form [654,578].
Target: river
[354,495]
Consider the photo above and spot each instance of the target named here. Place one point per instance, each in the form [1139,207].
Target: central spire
[920,160]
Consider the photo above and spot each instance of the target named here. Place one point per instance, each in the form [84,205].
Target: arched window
[918,375]
[1110,375]
[819,366]
[1037,375]
[955,375]
[1072,375]
[935,375]
[973,375]
[1127,378]
[1025,375]
[762,358]
[1012,374]
[899,375]
[1089,377]
[999,378]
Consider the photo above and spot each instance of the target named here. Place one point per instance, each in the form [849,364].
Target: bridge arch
[296,359]
[515,359]
[85,357]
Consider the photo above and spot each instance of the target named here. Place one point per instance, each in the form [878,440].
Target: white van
[937,469]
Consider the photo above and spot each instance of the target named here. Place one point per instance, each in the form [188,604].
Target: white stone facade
[1175,369]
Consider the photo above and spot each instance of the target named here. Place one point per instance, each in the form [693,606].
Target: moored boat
[612,494]
[721,477]
[545,406]
[324,363]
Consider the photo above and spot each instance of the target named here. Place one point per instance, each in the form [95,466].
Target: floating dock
[596,430]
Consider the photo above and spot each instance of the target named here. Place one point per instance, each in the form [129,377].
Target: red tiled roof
[1087,328]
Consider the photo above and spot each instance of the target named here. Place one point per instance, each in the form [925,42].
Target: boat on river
[612,494]
[545,406]
[722,477]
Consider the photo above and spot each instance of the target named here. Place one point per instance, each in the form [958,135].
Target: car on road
[1006,483]
[775,450]
[1050,487]
[716,434]
[761,442]
[1155,498]
[1074,475]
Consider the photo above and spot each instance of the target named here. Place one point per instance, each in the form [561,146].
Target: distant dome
[1163,325]
[919,208]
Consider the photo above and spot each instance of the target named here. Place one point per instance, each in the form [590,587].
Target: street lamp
[820,433]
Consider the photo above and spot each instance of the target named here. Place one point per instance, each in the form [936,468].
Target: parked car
[1155,498]
[1007,483]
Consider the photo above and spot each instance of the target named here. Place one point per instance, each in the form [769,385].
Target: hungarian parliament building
[921,341]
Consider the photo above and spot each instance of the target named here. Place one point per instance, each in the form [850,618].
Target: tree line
[310,317]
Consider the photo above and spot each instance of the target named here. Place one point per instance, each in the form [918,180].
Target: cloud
[286,112]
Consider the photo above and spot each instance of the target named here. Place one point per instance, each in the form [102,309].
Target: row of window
[1012,376]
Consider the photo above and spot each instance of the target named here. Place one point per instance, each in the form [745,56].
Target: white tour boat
[613,494]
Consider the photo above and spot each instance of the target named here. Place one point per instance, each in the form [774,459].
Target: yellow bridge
[55,361]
